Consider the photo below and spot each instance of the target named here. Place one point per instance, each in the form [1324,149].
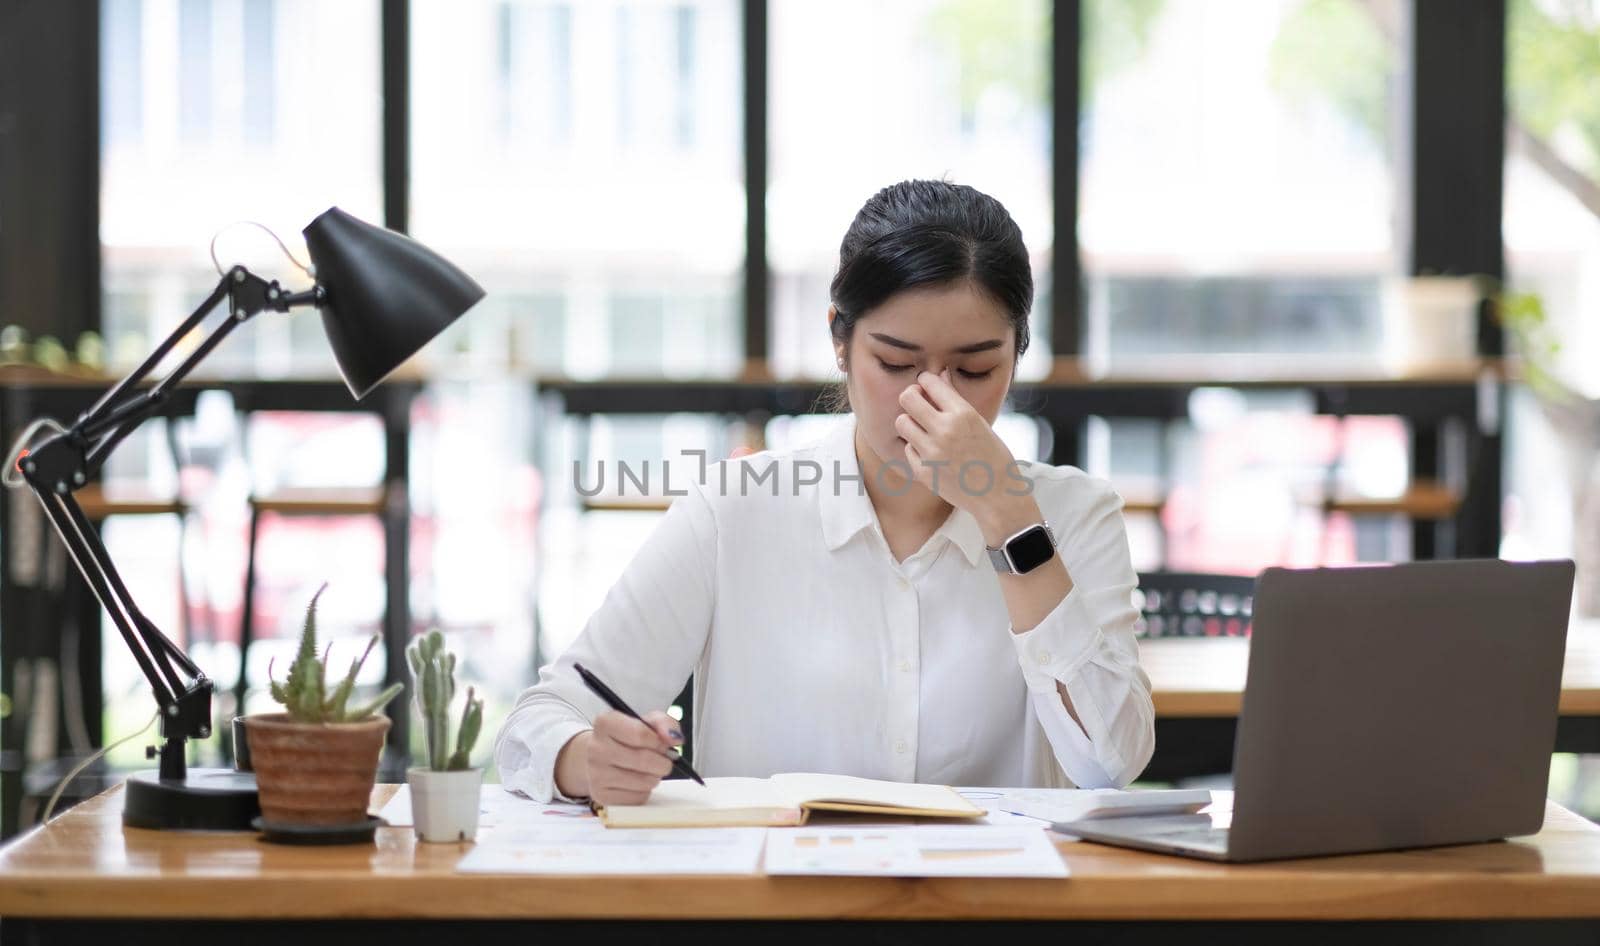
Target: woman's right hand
[622,759]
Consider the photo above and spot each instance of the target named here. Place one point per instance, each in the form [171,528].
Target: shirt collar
[962,529]
[846,509]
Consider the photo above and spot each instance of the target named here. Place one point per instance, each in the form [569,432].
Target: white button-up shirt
[813,650]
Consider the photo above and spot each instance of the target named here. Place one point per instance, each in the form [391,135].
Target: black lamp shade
[385,295]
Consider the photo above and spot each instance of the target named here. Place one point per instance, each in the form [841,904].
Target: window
[122,72]
[590,152]
[534,80]
[1237,174]
[220,111]
[260,79]
[1552,235]
[863,95]
[194,71]
[1552,172]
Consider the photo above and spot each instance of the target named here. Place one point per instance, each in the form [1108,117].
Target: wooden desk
[68,881]
[1198,685]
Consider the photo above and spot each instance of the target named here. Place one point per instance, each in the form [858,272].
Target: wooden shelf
[1228,370]
[1424,501]
[625,503]
[1256,369]
[1144,505]
[98,505]
[323,501]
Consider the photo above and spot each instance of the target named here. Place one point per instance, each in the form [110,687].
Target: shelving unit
[1444,408]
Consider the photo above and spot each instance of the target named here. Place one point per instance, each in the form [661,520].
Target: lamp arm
[64,463]
[185,707]
[153,651]
[103,426]
[101,434]
[104,406]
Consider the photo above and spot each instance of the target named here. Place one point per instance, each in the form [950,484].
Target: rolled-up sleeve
[644,641]
[1087,645]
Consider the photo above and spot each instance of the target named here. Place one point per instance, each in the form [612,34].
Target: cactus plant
[434,670]
[305,695]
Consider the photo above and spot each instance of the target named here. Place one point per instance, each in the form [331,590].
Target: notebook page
[799,787]
[717,793]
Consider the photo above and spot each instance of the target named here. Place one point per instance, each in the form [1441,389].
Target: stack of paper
[520,836]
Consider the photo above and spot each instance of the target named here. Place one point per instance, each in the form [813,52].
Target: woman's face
[929,329]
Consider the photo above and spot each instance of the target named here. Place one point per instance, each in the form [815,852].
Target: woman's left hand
[952,449]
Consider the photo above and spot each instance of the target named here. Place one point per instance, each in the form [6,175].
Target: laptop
[1385,707]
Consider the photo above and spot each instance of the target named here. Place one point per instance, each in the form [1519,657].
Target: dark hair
[931,233]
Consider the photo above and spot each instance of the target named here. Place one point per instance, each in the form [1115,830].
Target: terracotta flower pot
[315,773]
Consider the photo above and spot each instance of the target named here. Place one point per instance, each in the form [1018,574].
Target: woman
[902,601]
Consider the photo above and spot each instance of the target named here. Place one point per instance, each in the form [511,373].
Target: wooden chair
[291,502]
[1429,504]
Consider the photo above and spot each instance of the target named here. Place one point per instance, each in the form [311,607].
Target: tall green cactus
[305,693]
[433,671]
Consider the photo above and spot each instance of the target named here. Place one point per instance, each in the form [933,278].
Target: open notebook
[785,799]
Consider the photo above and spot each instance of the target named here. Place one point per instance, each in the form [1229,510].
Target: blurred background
[1268,237]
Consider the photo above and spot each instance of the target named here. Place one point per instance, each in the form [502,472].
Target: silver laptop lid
[1398,706]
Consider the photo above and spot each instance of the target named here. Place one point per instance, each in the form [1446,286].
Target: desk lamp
[382,297]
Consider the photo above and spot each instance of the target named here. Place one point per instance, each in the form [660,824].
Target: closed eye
[893,368]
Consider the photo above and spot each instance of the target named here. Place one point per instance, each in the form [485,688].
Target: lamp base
[207,800]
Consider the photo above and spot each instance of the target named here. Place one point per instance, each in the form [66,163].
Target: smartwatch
[1025,551]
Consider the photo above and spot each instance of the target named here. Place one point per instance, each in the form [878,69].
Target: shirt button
[1044,657]
[900,747]
[902,584]
[905,666]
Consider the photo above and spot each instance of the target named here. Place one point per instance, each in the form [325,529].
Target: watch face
[1030,550]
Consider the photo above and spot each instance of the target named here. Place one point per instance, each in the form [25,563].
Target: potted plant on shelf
[444,793]
[316,762]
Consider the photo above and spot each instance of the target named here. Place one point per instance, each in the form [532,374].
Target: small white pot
[444,805]
[1429,321]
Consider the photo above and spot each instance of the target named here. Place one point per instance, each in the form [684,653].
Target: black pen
[614,701]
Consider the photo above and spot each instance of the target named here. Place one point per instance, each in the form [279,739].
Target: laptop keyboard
[1194,831]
